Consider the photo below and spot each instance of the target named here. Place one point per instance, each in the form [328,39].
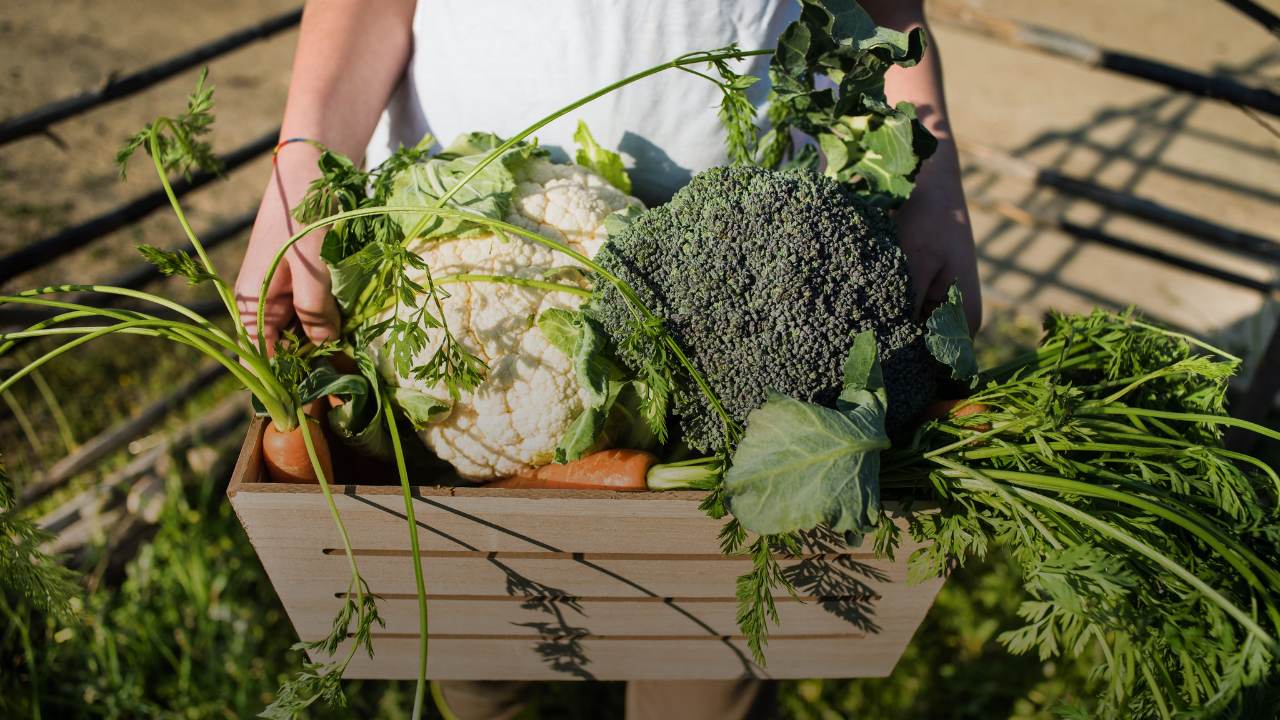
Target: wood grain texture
[591,658]
[568,584]
[540,616]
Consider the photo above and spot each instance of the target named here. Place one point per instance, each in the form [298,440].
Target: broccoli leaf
[863,380]
[593,369]
[888,158]
[580,338]
[582,435]
[800,465]
[605,162]
[613,411]
[948,337]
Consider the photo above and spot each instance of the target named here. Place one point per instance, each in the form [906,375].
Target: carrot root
[285,454]
[617,470]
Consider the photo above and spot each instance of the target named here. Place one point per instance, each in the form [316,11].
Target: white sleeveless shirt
[500,65]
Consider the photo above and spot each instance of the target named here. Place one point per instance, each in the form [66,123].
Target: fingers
[278,305]
[312,299]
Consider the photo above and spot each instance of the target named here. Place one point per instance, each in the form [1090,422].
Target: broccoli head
[764,278]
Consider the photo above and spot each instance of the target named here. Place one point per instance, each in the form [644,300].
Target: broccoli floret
[764,278]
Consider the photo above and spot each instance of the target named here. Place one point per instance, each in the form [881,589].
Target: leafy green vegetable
[488,194]
[1097,462]
[615,413]
[875,147]
[800,465]
[863,379]
[28,576]
[606,163]
[948,337]
[420,408]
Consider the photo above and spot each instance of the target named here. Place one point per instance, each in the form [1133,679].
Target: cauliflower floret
[518,415]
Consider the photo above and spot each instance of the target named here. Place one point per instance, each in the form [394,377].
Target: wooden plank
[898,611]
[628,659]
[551,576]
[562,523]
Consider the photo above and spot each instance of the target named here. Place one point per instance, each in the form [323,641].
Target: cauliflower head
[516,417]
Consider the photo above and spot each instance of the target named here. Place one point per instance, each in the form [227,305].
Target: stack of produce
[754,337]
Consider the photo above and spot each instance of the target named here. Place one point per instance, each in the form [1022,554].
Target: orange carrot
[622,470]
[285,454]
[952,408]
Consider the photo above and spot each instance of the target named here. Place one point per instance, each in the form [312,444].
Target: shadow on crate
[838,581]
[825,574]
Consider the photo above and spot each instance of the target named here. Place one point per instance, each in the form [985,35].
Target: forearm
[350,56]
[935,219]
[922,87]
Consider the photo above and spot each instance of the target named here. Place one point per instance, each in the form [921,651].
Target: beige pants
[646,700]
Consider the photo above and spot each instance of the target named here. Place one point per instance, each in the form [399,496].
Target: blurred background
[1115,154]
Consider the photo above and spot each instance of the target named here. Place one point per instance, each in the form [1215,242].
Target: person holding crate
[369,77]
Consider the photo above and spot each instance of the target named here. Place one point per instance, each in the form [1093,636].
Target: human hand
[933,225]
[300,286]
[934,233]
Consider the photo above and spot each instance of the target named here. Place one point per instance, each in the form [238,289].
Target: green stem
[996,429]
[1187,339]
[511,280]
[1165,446]
[985,478]
[1154,555]
[258,363]
[695,474]
[437,694]
[356,578]
[224,291]
[1089,410]
[264,387]
[27,296]
[24,422]
[691,59]
[1022,480]
[55,409]
[418,695]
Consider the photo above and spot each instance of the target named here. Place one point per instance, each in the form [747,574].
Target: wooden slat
[499,576]
[509,524]
[614,659]
[489,615]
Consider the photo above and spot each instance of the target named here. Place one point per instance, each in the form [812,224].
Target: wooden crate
[562,585]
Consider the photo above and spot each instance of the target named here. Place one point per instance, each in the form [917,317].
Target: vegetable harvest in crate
[753,337]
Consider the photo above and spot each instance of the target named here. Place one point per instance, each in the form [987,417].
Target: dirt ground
[1204,157]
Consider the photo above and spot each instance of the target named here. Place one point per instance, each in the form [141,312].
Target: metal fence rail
[38,120]
[1216,234]
[1258,14]
[55,246]
[1077,49]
